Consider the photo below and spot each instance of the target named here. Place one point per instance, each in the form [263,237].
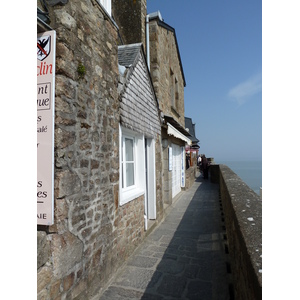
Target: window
[132,165]
[176,92]
[172,89]
[128,163]
[107,5]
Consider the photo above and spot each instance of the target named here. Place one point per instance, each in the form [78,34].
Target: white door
[176,170]
[150,186]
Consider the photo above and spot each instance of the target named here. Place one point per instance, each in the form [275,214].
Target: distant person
[187,161]
[205,166]
[199,161]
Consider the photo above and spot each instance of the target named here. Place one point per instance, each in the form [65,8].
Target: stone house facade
[77,254]
[163,58]
[98,219]
[94,232]
[169,82]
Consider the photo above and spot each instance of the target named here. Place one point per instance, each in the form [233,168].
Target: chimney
[130,16]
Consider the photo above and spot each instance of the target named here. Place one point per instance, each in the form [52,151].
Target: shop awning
[176,133]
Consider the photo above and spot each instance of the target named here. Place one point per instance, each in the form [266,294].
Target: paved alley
[184,257]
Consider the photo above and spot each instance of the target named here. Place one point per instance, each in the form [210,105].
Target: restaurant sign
[45,126]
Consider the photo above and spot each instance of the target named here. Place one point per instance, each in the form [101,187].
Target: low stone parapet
[242,209]
[190,175]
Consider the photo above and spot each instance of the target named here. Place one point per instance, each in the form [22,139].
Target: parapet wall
[190,175]
[242,209]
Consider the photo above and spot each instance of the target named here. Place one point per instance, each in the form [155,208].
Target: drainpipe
[147,42]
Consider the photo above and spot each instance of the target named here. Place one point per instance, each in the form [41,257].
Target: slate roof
[189,124]
[127,54]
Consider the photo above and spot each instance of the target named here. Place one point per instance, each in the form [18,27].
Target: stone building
[163,59]
[82,249]
[96,226]
[108,122]
[169,82]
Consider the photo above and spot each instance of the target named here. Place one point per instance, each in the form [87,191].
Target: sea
[249,171]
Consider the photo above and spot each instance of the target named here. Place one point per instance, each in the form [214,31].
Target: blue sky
[220,44]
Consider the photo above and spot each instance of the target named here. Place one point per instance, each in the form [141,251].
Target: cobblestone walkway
[184,257]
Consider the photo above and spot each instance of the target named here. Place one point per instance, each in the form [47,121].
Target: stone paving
[184,257]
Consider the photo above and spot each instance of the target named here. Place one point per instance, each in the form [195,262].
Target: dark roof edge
[191,129]
[161,23]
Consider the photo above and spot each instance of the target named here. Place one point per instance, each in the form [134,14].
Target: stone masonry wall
[190,176]
[130,15]
[163,57]
[243,219]
[91,236]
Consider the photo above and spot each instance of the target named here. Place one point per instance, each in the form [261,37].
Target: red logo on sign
[43,47]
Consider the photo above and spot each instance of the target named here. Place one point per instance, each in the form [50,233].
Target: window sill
[130,195]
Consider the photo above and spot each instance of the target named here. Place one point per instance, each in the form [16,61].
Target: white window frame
[107,5]
[124,162]
[130,193]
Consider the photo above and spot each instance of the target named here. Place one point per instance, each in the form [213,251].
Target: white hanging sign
[45,126]
[182,167]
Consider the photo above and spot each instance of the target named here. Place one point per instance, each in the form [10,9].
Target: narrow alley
[185,257]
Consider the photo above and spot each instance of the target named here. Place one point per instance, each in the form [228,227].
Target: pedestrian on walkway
[205,166]
[199,161]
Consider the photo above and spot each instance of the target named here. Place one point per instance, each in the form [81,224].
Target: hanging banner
[182,167]
[45,126]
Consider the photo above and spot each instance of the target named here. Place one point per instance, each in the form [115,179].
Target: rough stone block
[43,278]
[65,19]
[64,138]
[67,251]
[43,248]
[68,183]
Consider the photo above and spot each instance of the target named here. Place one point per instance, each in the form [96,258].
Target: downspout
[147,42]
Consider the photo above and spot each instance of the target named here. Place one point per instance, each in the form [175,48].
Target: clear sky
[220,44]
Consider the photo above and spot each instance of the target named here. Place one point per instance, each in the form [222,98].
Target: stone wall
[242,210]
[91,236]
[130,15]
[190,175]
